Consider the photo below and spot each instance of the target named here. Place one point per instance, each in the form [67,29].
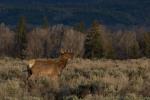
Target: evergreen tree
[134,50]
[108,49]
[147,44]
[80,27]
[93,43]
[45,22]
[20,38]
[45,47]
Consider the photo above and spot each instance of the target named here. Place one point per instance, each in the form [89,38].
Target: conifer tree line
[97,41]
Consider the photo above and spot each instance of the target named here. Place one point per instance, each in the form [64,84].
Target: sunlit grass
[81,79]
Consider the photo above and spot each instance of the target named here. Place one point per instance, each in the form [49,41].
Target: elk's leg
[31,77]
[31,82]
[54,78]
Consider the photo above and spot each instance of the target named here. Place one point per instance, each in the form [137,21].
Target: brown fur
[50,68]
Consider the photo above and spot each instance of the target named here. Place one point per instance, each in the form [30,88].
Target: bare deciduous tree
[6,40]
[48,42]
[74,40]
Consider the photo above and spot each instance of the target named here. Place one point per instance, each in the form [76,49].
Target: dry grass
[82,79]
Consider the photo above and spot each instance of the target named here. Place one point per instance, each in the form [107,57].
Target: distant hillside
[109,12]
[71,1]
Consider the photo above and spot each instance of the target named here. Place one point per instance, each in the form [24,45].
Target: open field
[81,79]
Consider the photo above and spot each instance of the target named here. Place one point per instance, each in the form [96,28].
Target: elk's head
[66,54]
[31,63]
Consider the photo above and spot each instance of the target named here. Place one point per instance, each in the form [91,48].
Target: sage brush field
[82,79]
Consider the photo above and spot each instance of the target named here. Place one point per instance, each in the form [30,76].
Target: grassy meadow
[82,79]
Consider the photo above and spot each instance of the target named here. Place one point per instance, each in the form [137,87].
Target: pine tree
[20,38]
[45,22]
[80,27]
[134,50]
[93,43]
[147,44]
[45,47]
[108,49]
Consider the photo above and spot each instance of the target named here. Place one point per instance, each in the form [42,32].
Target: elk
[51,68]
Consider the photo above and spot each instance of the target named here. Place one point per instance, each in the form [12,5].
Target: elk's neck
[63,63]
